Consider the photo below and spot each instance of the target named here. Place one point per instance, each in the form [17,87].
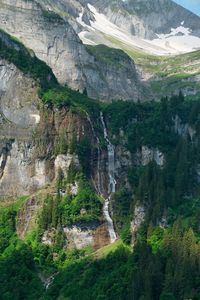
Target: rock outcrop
[145,19]
[19,117]
[138,219]
[54,41]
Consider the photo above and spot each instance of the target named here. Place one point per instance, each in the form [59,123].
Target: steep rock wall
[54,41]
[19,116]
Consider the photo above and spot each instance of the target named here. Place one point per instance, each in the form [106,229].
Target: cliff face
[120,147]
[54,41]
[144,18]
[40,143]
[19,116]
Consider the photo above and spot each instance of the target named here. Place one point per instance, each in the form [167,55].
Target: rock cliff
[144,18]
[54,41]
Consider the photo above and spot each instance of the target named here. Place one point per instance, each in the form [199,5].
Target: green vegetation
[49,90]
[59,96]
[122,205]
[25,60]
[162,65]
[153,125]
[167,269]
[107,55]
[164,262]
[167,73]
[167,262]
[60,210]
[19,279]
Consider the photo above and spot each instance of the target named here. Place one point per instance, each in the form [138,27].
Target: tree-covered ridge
[171,127]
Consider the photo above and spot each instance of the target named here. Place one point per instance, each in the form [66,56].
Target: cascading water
[112,182]
[111,171]
[98,188]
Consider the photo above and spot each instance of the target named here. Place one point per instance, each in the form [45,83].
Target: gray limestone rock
[40,27]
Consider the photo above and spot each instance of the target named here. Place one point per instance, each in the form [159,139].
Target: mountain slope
[91,173]
[156,16]
[54,41]
[156,26]
[82,68]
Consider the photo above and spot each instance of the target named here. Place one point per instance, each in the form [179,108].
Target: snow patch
[179,40]
[175,32]
[103,25]
[178,44]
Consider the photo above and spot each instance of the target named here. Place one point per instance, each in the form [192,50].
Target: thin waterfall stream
[111,183]
[98,187]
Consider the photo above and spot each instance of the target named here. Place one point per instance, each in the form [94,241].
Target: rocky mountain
[54,32]
[159,27]
[98,199]
[146,19]
[54,41]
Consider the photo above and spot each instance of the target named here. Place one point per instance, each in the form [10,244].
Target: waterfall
[111,174]
[98,188]
[111,183]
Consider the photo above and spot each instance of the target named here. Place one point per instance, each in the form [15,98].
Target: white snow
[86,40]
[174,31]
[179,40]
[103,25]
[179,44]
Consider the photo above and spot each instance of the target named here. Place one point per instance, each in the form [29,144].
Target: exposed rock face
[101,237]
[73,189]
[119,71]
[78,237]
[29,137]
[54,41]
[146,18]
[27,216]
[123,162]
[148,155]
[63,163]
[18,95]
[183,129]
[139,17]
[20,175]
[19,117]
[138,219]
[47,238]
